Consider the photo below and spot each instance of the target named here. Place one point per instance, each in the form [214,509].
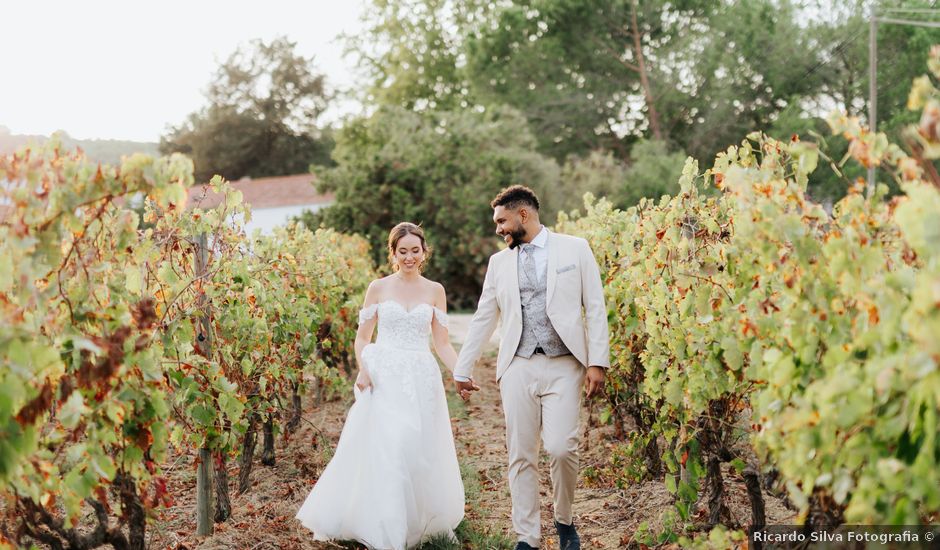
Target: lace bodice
[401,328]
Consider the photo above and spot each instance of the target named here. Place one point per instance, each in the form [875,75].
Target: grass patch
[470,534]
[474,538]
[456,406]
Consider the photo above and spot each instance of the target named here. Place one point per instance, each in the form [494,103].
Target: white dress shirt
[541,254]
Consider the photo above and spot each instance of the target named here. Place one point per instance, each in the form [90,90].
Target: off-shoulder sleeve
[440,316]
[367,313]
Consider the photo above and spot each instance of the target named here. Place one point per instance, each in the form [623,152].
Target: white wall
[266,219]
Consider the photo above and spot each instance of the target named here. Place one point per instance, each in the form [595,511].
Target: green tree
[840,31]
[439,169]
[652,172]
[599,173]
[598,75]
[742,67]
[581,71]
[902,51]
[412,52]
[261,120]
[603,73]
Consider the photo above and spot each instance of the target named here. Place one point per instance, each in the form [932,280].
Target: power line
[872,91]
[931,24]
[873,65]
[840,47]
[930,11]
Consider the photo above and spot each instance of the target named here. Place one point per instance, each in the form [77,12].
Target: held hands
[594,382]
[363,381]
[465,388]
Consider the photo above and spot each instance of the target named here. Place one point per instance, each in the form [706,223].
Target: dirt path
[263,518]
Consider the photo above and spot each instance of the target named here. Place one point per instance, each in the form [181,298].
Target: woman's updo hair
[398,233]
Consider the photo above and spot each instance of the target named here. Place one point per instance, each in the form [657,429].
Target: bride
[394,479]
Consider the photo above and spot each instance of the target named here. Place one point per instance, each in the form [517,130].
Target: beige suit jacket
[574,303]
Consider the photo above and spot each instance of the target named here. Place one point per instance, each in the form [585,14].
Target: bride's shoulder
[381,281]
[435,292]
[433,285]
[376,289]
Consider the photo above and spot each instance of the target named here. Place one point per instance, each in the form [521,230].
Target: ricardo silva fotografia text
[849,535]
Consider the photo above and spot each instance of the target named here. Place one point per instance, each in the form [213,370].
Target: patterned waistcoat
[537,329]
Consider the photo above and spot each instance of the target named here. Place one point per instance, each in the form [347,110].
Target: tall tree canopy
[841,75]
[590,74]
[412,54]
[262,116]
[583,71]
[439,169]
[601,96]
[598,75]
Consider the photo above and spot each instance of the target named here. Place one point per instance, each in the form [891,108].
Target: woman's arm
[364,335]
[440,334]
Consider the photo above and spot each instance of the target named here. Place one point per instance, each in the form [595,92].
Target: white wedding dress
[394,479]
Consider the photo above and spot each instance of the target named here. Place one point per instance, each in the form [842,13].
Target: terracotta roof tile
[271,192]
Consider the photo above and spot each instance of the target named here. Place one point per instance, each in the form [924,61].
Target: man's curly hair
[515,196]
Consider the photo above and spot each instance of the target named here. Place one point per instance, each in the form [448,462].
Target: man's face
[509,225]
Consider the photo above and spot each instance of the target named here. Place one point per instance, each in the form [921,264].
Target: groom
[546,290]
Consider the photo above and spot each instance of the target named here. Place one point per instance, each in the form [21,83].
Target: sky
[106,69]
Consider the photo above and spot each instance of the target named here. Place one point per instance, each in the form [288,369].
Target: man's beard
[517,235]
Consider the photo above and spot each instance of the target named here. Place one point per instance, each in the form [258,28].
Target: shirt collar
[540,239]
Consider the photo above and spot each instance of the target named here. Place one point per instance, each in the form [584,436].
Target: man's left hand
[594,381]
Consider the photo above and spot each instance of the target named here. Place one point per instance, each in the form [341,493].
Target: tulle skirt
[394,480]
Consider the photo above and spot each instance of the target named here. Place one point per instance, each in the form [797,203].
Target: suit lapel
[552,244]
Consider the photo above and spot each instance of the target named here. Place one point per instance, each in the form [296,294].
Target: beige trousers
[541,396]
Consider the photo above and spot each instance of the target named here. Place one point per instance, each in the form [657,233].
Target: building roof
[273,192]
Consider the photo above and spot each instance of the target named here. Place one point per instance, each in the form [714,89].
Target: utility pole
[872,90]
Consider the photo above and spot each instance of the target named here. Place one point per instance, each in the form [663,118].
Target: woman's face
[409,254]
